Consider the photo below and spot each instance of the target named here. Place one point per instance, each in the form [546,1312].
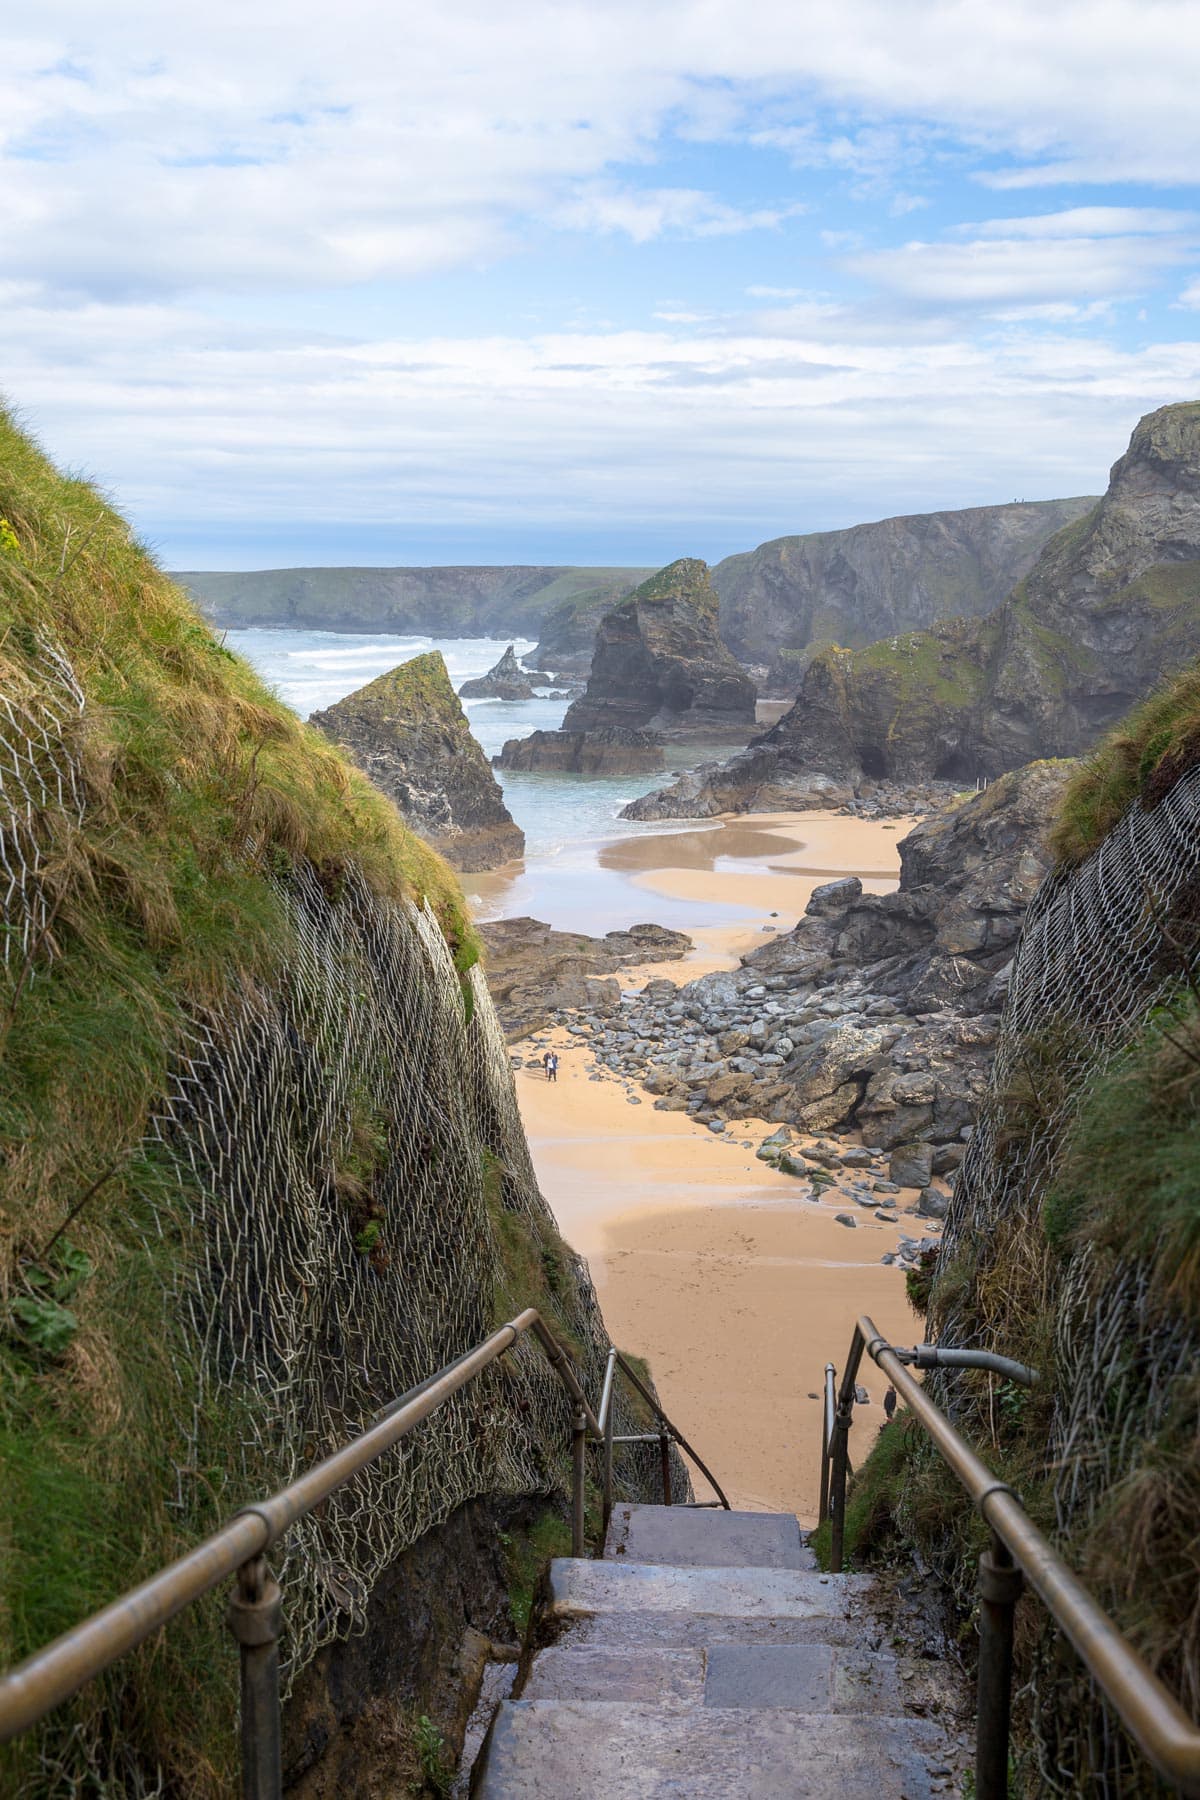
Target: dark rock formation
[533,971]
[937,950]
[408,732]
[1112,606]
[853,587]
[713,788]
[603,752]
[660,665]
[506,680]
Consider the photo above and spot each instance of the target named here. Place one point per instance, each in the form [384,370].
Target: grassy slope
[198,783]
[1155,745]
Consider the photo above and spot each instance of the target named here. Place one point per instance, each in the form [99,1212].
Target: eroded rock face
[603,752]
[408,732]
[854,587]
[568,634]
[534,971]
[659,663]
[507,680]
[1110,608]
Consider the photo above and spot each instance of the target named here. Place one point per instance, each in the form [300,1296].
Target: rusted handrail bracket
[1151,1714]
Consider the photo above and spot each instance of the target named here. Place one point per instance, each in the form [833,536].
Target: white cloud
[824,421]
[150,149]
[646,213]
[1000,270]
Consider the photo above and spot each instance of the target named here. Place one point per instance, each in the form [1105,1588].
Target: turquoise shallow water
[565,818]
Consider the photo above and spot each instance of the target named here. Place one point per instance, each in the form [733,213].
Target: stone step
[615,1750]
[707,1538]
[804,1677]
[579,1588]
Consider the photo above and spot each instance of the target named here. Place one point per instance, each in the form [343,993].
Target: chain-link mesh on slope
[337,1141]
[1102,945]
[38,775]
[336,1158]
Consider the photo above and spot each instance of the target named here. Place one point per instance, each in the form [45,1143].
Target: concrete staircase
[704,1657]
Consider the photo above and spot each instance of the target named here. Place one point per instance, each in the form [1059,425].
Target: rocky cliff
[470,601]
[659,663]
[872,581]
[1071,1244]
[408,732]
[261,1170]
[1110,608]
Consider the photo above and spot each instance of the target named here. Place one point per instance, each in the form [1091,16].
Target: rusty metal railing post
[255,1617]
[1000,1584]
[578,1470]
[828,1405]
[664,1455]
[840,1459]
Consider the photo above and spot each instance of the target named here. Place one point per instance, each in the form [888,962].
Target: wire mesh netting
[1103,944]
[340,1178]
[38,774]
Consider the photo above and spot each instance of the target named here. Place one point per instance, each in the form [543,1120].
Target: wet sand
[706,1261]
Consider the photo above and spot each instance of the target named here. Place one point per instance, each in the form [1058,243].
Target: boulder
[911,1165]
[534,972]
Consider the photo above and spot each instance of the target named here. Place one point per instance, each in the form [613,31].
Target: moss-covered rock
[408,732]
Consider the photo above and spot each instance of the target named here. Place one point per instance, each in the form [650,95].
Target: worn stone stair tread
[706,1538]
[614,1750]
[804,1677]
[581,1587]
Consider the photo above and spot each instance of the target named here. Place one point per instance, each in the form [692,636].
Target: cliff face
[408,732]
[1111,607]
[872,581]
[245,1025]
[568,633]
[1070,1243]
[467,602]
[659,663]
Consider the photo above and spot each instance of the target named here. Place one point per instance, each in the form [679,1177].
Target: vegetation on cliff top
[686,580]
[200,787]
[1141,761]
[419,689]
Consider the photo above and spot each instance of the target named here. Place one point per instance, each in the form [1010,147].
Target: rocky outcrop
[408,732]
[1112,606]
[473,601]
[872,581]
[659,664]
[738,786]
[506,680]
[534,972]
[603,752]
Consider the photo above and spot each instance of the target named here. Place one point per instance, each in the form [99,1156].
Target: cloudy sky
[607,281]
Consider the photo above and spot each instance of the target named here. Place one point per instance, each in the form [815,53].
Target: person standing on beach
[552,1066]
[889,1403]
[546,1064]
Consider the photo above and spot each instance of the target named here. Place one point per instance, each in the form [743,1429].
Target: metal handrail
[58,1670]
[1151,1714]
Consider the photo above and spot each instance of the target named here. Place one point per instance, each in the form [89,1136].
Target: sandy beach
[705,1260]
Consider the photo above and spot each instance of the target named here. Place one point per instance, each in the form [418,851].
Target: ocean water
[565,818]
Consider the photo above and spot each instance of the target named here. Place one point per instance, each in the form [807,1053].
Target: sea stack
[408,732]
[659,664]
[506,681]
